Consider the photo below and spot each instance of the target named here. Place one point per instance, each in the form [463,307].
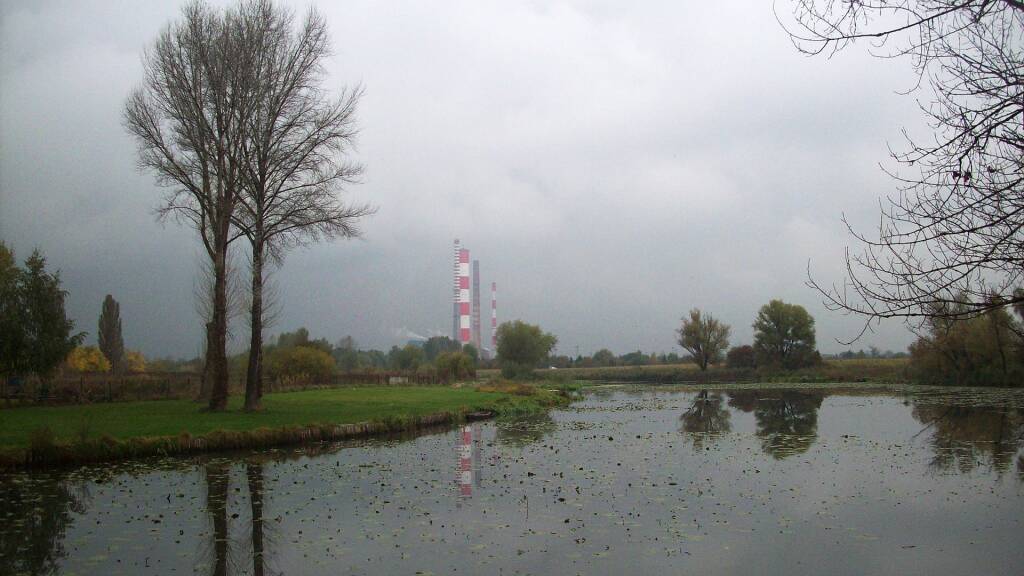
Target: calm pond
[628,480]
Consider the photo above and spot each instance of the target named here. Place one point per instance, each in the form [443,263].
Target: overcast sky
[611,165]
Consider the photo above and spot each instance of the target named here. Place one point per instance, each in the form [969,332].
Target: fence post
[109,396]
[81,389]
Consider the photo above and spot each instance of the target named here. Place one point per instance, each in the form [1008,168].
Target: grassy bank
[68,434]
[877,370]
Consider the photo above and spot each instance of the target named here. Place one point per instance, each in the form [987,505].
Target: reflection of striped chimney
[494,318]
[464,320]
[465,471]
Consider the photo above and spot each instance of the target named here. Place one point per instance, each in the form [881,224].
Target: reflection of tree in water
[966,437]
[254,476]
[706,418]
[522,430]
[35,512]
[218,477]
[226,555]
[787,420]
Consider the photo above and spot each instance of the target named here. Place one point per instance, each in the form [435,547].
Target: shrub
[299,364]
[42,444]
[513,388]
[135,361]
[741,357]
[87,359]
[454,366]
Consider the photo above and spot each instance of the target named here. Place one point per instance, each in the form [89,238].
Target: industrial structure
[461,323]
[476,305]
[494,318]
[466,309]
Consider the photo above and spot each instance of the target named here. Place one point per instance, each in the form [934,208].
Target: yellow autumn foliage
[135,361]
[87,359]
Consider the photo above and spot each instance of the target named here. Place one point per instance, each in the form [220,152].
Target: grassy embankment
[873,370]
[96,432]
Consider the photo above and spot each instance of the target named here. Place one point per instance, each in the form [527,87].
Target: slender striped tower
[455,294]
[476,305]
[494,318]
[463,297]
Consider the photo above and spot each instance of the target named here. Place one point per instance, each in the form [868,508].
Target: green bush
[299,364]
[741,357]
[454,366]
[521,347]
[982,351]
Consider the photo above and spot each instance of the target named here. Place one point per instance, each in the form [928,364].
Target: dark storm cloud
[611,167]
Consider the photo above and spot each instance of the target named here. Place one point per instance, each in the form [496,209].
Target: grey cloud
[610,166]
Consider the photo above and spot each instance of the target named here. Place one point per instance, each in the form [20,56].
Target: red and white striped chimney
[463,297]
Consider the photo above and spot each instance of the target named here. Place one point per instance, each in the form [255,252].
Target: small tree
[521,347]
[704,337]
[109,335]
[12,315]
[784,335]
[50,338]
[604,357]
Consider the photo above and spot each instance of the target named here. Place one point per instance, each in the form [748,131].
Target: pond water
[628,480]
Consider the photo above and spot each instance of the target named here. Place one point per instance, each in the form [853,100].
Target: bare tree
[950,242]
[291,164]
[189,119]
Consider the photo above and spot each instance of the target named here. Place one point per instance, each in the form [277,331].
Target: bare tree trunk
[254,375]
[206,380]
[216,354]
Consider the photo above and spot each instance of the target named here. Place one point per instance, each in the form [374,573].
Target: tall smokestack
[494,318]
[476,305]
[455,294]
[463,297]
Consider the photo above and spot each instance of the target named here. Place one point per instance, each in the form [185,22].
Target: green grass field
[173,417]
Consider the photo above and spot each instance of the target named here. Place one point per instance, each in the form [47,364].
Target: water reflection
[254,478]
[468,467]
[597,496]
[217,477]
[787,420]
[522,431]
[965,437]
[706,418]
[35,513]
